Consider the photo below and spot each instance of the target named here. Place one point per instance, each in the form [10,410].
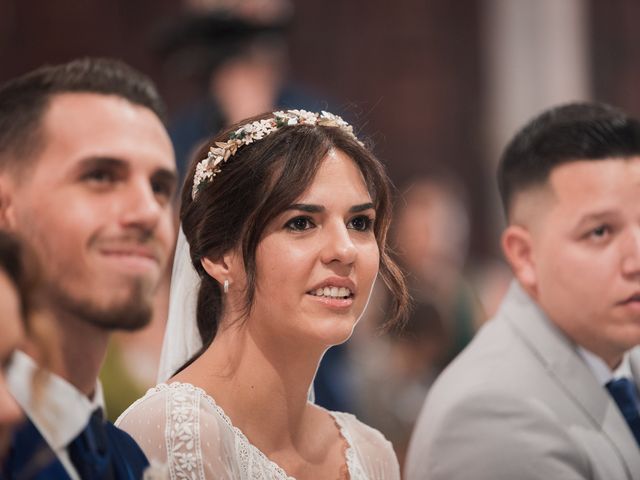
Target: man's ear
[517,246]
[7,214]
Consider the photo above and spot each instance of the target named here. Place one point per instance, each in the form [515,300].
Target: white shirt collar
[57,409]
[602,371]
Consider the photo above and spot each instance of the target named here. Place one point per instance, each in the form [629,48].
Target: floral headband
[208,168]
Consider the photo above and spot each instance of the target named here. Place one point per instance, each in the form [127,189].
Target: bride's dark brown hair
[255,185]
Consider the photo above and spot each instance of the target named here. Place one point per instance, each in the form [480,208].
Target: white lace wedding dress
[181,426]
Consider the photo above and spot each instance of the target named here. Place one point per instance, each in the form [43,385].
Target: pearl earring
[225,288]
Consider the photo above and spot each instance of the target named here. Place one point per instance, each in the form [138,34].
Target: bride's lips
[343,282]
[334,302]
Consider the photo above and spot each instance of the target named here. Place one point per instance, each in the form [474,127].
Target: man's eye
[163,189]
[362,223]
[100,176]
[299,224]
[600,232]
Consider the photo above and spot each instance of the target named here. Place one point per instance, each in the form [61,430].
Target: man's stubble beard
[133,313]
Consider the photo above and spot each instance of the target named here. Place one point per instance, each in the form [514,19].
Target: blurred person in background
[431,241]
[391,373]
[237,51]
[87,177]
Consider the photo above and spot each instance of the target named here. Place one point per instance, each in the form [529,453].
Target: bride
[284,219]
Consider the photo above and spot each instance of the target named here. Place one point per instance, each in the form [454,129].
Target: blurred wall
[33,32]
[615,50]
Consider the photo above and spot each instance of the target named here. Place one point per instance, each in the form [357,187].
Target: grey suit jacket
[519,403]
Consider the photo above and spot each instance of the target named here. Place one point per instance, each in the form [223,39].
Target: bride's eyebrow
[306,207]
[311,208]
[362,207]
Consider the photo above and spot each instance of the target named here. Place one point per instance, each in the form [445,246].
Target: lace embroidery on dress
[253,463]
[183,436]
[183,439]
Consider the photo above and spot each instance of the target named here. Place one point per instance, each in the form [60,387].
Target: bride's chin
[335,333]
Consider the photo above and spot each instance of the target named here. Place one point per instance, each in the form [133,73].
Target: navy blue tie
[625,393]
[89,451]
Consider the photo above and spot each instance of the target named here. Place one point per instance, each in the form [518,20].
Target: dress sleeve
[176,428]
[375,454]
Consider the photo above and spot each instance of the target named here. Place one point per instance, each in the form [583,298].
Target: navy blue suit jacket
[30,458]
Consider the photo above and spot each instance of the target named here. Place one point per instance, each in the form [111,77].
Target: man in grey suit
[548,389]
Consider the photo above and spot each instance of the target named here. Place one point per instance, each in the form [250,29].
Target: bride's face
[317,261]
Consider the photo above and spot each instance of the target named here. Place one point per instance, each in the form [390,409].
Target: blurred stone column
[537,55]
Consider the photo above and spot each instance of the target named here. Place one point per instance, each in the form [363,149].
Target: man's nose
[631,254]
[141,207]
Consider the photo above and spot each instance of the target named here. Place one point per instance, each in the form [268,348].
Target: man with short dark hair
[548,389]
[87,175]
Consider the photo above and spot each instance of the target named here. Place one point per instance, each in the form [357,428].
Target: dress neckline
[349,452]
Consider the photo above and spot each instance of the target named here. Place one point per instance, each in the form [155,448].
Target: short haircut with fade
[571,132]
[24,100]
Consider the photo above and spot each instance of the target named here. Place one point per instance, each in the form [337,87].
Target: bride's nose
[338,246]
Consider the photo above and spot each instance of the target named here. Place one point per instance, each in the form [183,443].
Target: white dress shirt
[602,371]
[57,409]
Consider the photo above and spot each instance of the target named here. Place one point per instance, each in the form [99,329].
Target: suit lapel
[31,458]
[559,357]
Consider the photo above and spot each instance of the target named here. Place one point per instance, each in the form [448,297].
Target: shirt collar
[601,370]
[57,409]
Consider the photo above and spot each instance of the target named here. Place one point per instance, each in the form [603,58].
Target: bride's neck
[261,383]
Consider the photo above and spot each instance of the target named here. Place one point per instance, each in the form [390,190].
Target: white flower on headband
[208,168]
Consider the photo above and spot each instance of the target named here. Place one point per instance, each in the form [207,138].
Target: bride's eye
[299,224]
[361,223]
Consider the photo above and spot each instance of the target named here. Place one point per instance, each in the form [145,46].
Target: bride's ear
[221,268]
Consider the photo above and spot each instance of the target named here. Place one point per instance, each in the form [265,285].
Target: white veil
[181,336]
